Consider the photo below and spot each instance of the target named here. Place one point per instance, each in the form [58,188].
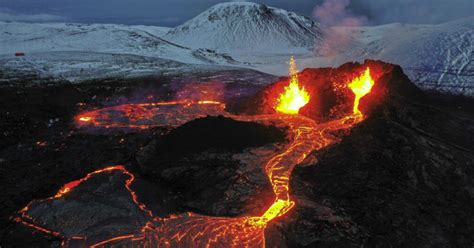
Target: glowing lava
[85,118]
[29,221]
[294,97]
[193,230]
[361,86]
[149,115]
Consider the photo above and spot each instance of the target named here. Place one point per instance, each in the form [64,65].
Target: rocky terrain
[401,178]
[41,149]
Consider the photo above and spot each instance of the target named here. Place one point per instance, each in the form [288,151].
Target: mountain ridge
[246,26]
[241,34]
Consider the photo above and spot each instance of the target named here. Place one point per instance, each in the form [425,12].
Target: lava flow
[148,115]
[193,230]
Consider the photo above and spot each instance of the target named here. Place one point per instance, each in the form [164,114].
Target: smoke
[335,13]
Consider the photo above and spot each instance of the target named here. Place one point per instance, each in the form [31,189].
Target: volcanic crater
[396,171]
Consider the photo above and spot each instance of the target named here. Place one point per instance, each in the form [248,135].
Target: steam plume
[334,13]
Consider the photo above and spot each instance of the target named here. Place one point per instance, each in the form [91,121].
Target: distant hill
[245,26]
[238,34]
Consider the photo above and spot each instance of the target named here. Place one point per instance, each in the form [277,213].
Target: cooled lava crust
[401,178]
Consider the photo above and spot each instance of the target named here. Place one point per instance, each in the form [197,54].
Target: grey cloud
[9,15]
[174,12]
[413,11]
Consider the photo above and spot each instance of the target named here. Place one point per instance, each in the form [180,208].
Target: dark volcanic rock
[211,166]
[402,178]
[330,96]
[215,132]
[99,209]
[41,148]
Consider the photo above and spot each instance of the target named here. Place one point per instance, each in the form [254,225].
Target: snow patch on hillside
[438,57]
[100,38]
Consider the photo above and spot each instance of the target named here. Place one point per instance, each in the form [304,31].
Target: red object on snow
[19,54]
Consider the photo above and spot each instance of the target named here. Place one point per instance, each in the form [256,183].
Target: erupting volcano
[195,230]
[205,133]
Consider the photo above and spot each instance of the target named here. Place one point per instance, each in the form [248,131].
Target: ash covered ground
[401,178]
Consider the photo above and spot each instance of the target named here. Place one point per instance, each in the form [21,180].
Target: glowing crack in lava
[361,86]
[194,230]
[29,221]
[294,97]
[148,115]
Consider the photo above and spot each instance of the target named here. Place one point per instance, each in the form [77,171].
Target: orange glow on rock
[305,135]
[294,97]
[361,86]
[150,115]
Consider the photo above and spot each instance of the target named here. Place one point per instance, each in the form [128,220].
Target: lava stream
[192,230]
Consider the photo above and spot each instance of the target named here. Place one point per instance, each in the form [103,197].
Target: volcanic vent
[329,93]
[316,108]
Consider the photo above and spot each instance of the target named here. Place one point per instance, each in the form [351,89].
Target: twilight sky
[175,12]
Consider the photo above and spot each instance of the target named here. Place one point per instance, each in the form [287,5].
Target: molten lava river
[194,230]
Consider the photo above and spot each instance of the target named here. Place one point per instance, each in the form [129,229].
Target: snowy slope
[102,38]
[245,26]
[154,30]
[436,57]
[240,34]
[82,66]
[77,67]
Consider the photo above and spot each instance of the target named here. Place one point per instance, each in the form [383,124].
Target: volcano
[392,172]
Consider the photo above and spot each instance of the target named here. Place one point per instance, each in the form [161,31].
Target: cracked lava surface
[190,229]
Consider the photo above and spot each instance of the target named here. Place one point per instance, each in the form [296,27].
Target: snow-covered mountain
[238,34]
[99,38]
[79,52]
[245,26]
[439,57]
[435,57]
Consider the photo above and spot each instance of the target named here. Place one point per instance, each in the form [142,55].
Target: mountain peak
[246,26]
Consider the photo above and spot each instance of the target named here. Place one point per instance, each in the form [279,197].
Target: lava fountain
[361,86]
[193,230]
[294,97]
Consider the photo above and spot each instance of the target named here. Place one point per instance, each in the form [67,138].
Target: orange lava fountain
[294,97]
[361,86]
[193,230]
